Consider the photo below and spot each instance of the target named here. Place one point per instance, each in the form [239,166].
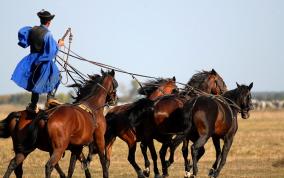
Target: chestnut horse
[23,118]
[216,117]
[167,118]
[118,117]
[68,127]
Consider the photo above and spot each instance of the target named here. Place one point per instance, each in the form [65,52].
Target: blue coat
[37,72]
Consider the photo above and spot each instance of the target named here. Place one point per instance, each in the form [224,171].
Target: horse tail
[32,132]
[140,110]
[111,125]
[188,113]
[5,123]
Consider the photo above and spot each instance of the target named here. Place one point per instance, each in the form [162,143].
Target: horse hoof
[165,175]
[158,176]
[140,174]
[212,173]
[146,172]
[187,174]
[168,164]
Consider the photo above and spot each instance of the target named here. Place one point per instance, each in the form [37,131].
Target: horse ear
[238,84]
[250,86]
[213,72]
[112,73]
[102,72]
[174,78]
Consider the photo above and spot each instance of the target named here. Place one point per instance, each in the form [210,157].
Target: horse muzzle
[245,114]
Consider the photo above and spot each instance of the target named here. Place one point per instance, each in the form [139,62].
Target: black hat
[43,14]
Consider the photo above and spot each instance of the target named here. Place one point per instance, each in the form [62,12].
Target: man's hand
[60,42]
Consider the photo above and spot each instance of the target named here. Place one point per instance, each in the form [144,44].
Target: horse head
[215,83]
[208,81]
[159,87]
[244,99]
[110,86]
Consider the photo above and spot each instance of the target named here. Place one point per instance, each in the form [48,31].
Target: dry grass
[257,152]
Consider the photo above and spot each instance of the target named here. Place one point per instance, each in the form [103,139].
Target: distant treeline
[268,96]
[24,98]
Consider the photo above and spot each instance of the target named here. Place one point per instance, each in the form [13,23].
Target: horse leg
[132,161]
[173,146]
[73,159]
[216,142]
[91,152]
[225,150]
[162,153]
[143,148]
[194,151]
[187,166]
[84,163]
[100,143]
[109,150]
[19,170]
[154,158]
[53,160]
[14,163]
[59,170]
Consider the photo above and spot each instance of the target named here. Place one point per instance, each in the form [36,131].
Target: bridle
[109,93]
[91,111]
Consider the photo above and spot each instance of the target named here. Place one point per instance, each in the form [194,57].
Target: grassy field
[257,152]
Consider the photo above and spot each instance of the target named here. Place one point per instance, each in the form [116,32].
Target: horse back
[209,116]
[71,125]
[165,107]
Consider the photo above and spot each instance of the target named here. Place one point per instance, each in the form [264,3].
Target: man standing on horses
[37,71]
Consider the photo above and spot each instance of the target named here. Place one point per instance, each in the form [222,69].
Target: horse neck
[99,98]
[204,87]
[232,96]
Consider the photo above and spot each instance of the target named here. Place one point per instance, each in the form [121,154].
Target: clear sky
[242,39]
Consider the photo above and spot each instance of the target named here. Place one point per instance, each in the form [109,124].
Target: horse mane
[151,85]
[235,93]
[85,88]
[198,79]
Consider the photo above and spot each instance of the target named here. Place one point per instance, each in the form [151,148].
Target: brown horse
[78,125]
[216,117]
[22,120]
[167,118]
[118,117]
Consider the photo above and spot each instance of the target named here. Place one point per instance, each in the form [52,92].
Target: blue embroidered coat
[37,72]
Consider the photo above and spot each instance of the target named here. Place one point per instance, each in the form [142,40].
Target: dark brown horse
[118,117]
[78,125]
[216,117]
[167,118]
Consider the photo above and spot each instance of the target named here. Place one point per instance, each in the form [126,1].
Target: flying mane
[85,88]
[150,86]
